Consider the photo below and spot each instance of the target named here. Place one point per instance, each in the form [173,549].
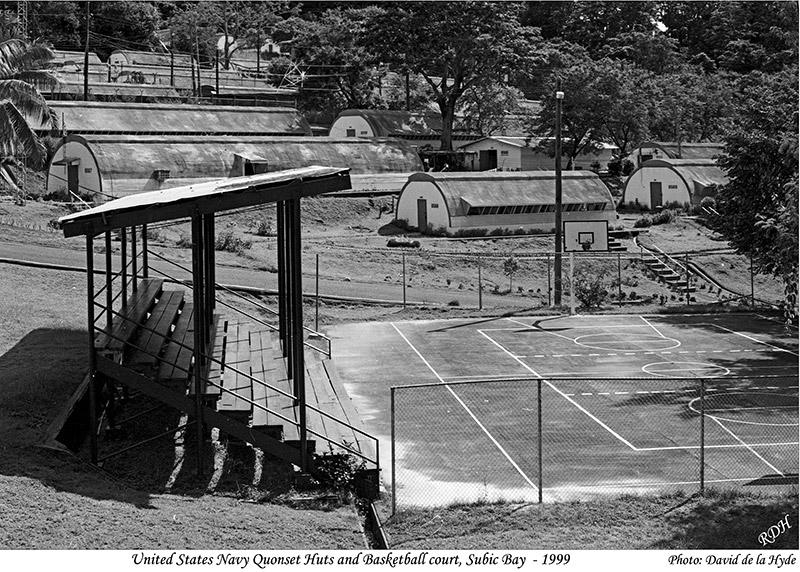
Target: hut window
[548,208]
[597,206]
[351,133]
[474,211]
[504,153]
[493,210]
[518,209]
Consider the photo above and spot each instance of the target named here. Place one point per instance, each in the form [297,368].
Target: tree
[21,70]
[452,45]
[582,111]
[341,69]
[510,267]
[624,93]
[491,107]
[132,23]
[590,24]
[758,206]
[59,22]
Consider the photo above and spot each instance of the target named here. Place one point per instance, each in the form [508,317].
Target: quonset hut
[112,166]
[659,182]
[114,149]
[462,202]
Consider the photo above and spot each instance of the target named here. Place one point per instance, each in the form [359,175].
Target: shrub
[184,241]
[228,242]
[454,303]
[643,222]
[395,243]
[264,228]
[590,289]
[338,471]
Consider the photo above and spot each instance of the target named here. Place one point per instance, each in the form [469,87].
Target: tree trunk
[448,114]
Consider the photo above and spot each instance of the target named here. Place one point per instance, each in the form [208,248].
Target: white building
[524,154]
[660,182]
[509,201]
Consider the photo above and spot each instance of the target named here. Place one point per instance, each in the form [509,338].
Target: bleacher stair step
[157,328]
[237,386]
[125,325]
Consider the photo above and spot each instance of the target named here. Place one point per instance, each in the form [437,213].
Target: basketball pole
[571,283]
[558,239]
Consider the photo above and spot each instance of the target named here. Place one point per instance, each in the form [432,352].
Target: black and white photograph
[399,285]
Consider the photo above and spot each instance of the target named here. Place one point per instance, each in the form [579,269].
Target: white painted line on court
[467,409]
[749,448]
[752,339]
[679,447]
[554,388]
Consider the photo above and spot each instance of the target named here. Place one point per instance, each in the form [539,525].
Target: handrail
[326,352]
[252,379]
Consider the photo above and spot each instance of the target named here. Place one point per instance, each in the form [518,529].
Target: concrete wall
[437,213]
[342,124]
[673,187]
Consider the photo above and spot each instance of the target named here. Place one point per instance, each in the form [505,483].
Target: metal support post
[752,285]
[124,265]
[208,275]
[688,280]
[480,286]
[404,279]
[197,370]
[619,277]
[702,435]
[549,283]
[539,431]
[280,209]
[145,266]
[109,285]
[297,323]
[316,295]
[92,354]
[558,199]
[394,464]
[134,262]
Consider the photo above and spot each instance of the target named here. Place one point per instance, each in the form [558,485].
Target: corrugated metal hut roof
[92,117]
[686,150]
[65,57]
[702,172]
[150,58]
[462,190]
[386,123]
[132,158]
[75,88]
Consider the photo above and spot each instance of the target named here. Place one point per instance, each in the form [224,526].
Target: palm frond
[27,100]
[16,136]
[17,56]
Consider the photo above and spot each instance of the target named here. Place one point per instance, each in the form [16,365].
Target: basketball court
[621,404]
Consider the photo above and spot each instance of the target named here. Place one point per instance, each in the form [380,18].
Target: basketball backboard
[586,236]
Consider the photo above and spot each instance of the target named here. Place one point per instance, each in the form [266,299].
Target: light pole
[559,240]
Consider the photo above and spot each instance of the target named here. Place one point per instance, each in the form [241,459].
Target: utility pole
[86,57]
[559,239]
[22,20]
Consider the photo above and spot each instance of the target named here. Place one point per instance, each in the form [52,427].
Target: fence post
[752,285]
[394,471]
[404,280]
[316,308]
[539,432]
[619,277]
[702,435]
[688,280]
[549,287]
[480,285]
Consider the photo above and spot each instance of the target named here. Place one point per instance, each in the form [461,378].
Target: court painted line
[732,446]
[554,388]
[467,409]
[756,340]
[749,448]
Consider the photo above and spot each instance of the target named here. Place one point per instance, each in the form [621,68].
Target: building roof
[676,150]
[696,172]
[151,58]
[94,117]
[204,198]
[125,162]
[521,141]
[73,87]
[463,190]
[386,123]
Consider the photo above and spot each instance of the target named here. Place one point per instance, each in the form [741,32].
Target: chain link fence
[543,440]
[626,278]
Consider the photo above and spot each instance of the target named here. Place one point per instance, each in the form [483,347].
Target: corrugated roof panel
[98,117]
[515,188]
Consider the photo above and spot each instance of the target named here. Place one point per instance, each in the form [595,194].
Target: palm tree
[22,72]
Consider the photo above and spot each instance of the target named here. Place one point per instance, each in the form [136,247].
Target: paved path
[259,279]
